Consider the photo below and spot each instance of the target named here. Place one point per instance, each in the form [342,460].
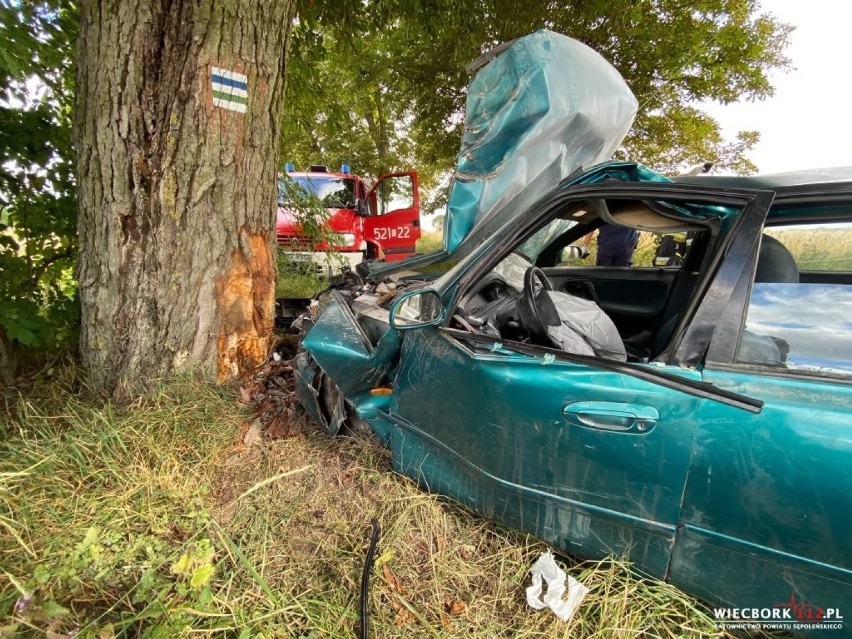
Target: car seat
[775,264]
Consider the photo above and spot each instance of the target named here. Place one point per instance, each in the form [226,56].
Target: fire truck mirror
[360,209]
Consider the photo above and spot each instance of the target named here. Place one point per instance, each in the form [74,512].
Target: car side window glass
[797,320]
[817,247]
[613,245]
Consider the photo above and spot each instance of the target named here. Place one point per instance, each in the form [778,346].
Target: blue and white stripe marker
[230,89]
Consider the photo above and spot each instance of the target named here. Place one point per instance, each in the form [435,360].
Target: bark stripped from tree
[177,197]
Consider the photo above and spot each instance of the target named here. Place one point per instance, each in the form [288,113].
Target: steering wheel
[535,308]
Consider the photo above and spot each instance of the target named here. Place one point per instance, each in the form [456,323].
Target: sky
[808,122]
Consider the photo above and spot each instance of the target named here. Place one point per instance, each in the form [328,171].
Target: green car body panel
[768,502]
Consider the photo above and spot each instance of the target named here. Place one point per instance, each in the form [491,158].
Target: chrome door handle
[612,416]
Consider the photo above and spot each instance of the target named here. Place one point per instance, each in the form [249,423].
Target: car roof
[793,181]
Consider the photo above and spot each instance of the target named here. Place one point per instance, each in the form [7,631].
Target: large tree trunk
[177,194]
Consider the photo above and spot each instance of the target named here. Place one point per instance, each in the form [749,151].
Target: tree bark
[176,195]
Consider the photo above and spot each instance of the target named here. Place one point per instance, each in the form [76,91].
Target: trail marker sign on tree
[230,89]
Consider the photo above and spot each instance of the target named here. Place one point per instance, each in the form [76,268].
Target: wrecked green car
[694,417]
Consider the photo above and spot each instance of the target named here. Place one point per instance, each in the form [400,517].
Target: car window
[329,191]
[663,249]
[619,246]
[538,241]
[795,321]
[817,247]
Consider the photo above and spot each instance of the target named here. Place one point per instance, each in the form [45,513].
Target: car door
[393,223]
[591,460]
[588,454]
[768,501]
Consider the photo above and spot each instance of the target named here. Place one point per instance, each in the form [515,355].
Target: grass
[154,521]
[430,241]
[297,279]
[823,248]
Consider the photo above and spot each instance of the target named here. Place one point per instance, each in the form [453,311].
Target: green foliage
[38,309]
[646,249]
[349,97]
[405,65]
[339,110]
[311,214]
[297,279]
[379,85]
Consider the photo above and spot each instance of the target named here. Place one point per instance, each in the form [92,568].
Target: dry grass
[154,522]
[430,241]
[823,248]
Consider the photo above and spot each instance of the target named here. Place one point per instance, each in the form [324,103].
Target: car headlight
[348,239]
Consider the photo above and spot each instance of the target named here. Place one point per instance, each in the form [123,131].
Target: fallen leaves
[392,580]
[454,607]
[348,476]
[405,612]
[403,616]
[270,392]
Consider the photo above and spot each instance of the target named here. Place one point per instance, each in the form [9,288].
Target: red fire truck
[382,221]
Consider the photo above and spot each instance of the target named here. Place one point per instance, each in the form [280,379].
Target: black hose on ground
[365,578]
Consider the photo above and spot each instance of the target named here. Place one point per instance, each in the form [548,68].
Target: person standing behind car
[615,245]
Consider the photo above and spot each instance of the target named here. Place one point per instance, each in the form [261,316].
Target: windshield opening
[332,192]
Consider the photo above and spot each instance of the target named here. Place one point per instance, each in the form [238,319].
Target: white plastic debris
[547,569]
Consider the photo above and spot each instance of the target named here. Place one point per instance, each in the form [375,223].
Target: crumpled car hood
[545,107]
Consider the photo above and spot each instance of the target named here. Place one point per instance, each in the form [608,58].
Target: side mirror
[416,310]
[359,207]
[571,254]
